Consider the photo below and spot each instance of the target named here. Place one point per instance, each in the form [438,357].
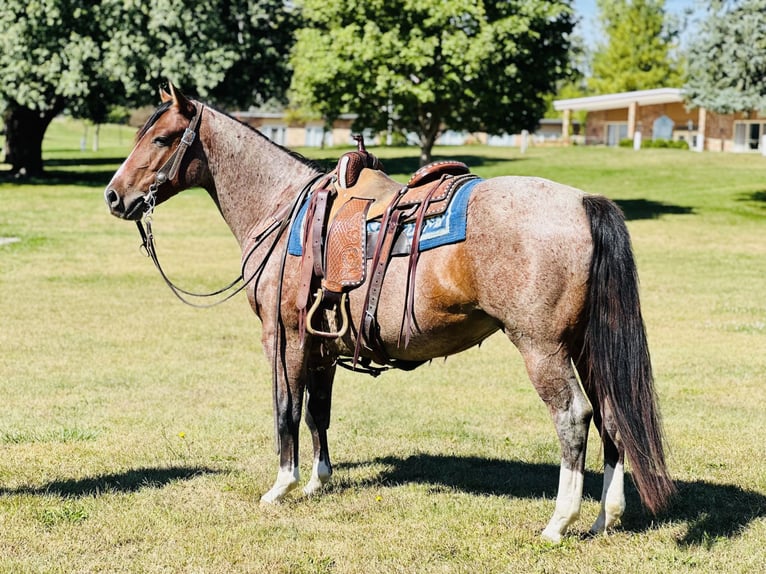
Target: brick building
[663,114]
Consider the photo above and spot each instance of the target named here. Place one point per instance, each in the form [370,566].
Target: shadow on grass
[710,511]
[648,209]
[85,177]
[756,196]
[125,482]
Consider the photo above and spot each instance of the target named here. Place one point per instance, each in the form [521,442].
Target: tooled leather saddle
[336,242]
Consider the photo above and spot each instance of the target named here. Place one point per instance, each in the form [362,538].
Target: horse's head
[166,159]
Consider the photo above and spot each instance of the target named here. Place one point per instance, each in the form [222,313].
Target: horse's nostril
[112,199]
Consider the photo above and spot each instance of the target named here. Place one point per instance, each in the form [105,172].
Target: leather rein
[169,170]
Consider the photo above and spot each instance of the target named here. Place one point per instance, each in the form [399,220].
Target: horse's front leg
[290,381]
[318,404]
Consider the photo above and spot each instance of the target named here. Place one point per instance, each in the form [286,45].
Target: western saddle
[336,243]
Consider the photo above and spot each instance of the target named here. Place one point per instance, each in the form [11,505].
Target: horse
[550,266]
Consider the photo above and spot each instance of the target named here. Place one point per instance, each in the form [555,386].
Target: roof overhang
[621,100]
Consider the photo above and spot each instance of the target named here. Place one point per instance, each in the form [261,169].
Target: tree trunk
[429,133]
[427,141]
[24,131]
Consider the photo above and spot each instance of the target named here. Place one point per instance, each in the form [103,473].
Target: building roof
[621,100]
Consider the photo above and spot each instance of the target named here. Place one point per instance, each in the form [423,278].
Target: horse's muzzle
[117,206]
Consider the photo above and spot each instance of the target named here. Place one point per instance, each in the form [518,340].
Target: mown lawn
[136,432]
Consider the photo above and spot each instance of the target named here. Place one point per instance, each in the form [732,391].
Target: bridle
[280,222]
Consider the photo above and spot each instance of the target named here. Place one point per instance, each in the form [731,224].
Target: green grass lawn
[136,432]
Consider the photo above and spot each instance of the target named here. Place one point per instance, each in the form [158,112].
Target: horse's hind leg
[318,404]
[553,376]
[613,492]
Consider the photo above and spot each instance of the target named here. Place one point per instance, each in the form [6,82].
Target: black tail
[617,355]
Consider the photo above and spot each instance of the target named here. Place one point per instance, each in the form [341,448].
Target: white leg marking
[320,475]
[612,498]
[568,503]
[287,480]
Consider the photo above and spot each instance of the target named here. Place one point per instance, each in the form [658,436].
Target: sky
[588,14]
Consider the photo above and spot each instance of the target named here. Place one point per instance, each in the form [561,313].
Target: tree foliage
[88,56]
[231,52]
[422,66]
[638,50]
[727,60]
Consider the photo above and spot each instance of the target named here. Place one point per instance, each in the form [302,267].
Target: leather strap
[317,227]
[368,324]
[169,170]
[311,263]
[408,321]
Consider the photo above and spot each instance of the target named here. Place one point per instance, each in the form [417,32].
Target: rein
[282,220]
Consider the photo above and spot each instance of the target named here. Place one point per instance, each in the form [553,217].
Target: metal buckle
[188,137]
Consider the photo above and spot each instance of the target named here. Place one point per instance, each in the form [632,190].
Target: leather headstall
[169,170]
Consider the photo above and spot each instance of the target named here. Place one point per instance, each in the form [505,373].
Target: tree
[423,66]
[88,56]
[47,57]
[638,52]
[727,60]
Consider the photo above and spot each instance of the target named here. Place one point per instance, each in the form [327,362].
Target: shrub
[656,144]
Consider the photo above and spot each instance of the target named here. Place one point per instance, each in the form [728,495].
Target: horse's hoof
[279,491]
[315,485]
[270,498]
[312,488]
[552,536]
[599,526]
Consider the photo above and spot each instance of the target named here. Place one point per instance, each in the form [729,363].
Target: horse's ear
[180,101]
[164,96]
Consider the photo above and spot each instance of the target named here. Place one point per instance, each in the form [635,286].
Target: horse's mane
[165,106]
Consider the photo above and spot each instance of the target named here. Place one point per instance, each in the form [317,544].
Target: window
[277,134]
[616,132]
[747,135]
[662,128]
[314,136]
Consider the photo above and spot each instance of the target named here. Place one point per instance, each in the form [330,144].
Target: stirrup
[343,317]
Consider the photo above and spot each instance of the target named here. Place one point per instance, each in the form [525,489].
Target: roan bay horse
[550,266]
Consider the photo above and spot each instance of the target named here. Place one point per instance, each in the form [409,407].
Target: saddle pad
[449,227]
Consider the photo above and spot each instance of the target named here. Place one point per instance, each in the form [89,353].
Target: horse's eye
[161,141]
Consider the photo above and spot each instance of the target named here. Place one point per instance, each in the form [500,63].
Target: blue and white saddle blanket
[449,227]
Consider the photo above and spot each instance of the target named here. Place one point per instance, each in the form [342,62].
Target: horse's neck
[252,178]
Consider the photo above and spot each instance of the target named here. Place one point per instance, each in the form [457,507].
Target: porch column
[632,113]
[565,126]
[701,129]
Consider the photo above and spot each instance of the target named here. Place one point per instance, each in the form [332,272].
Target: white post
[763,145]
[637,140]
[524,141]
[632,119]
